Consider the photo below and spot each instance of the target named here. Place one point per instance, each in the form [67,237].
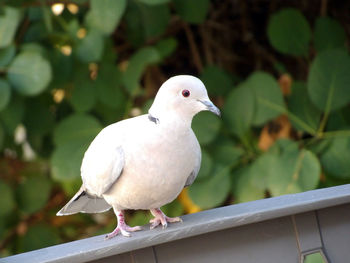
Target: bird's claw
[124,230]
[156,222]
[164,220]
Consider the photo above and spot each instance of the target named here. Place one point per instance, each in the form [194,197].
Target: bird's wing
[197,166]
[103,163]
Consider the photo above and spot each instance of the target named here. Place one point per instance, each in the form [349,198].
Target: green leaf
[36,32]
[227,154]
[38,236]
[134,25]
[300,105]
[216,80]
[206,166]
[39,120]
[108,86]
[145,22]
[247,188]
[2,137]
[5,94]
[90,48]
[328,34]
[268,97]
[147,105]
[213,191]
[310,171]
[283,145]
[166,47]
[109,115]
[104,15]
[73,27]
[8,25]
[284,169]
[66,160]
[109,52]
[7,201]
[154,2]
[6,55]
[47,18]
[192,11]
[137,65]
[139,218]
[76,127]
[29,73]
[335,159]
[35,13]
[155,19]
[329,80]
[294,171]
[62,68]
[13,114]
[72,137]
[261,169]
[315,257]
[346,114]
[337,121]
[34,48]
[173,209]
[33,193]
[69,184]
[320,147]
[289,32]
[239,109]
[206,126]
[83,95]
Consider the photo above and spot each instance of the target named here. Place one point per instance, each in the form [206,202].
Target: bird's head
[182,95]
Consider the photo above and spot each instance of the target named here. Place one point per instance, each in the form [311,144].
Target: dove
[144,162]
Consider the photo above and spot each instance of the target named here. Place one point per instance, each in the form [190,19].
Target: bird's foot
[122,227]
[125,231]
[161,218]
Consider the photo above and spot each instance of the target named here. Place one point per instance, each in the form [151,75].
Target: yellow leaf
[188,204]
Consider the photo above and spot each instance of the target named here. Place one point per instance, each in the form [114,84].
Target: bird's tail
[84,203]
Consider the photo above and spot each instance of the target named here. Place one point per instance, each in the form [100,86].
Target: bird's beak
[211,107]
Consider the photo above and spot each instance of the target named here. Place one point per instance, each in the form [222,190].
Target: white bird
[144,162]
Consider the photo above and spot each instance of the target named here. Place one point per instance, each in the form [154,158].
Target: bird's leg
[161,218]
[122,226]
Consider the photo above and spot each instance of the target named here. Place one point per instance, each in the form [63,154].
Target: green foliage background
[64,77]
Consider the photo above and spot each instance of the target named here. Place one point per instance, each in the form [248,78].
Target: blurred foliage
[279,71]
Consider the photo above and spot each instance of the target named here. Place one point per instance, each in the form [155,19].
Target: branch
[194,49]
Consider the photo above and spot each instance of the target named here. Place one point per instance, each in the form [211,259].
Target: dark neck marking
[153,119]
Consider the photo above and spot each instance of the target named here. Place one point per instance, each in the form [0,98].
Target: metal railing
[280,229]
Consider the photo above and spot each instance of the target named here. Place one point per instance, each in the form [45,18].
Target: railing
[280,229]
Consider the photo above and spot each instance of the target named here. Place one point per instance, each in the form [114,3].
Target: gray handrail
[232,216]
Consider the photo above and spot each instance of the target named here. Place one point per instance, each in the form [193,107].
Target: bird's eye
[186,93]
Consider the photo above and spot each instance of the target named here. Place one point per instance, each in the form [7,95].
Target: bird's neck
[170,121]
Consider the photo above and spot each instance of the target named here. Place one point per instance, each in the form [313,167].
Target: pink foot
[122,227]
[161,218]
[124,230]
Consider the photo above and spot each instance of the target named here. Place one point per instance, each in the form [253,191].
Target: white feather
[140,163]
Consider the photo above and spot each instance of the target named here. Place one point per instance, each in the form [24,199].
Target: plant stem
[293,117]
[326,112]
[246,142]
[46,16]
[332,134]
[302,124]
[62,23]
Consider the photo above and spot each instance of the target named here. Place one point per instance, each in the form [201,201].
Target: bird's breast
[156,169]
